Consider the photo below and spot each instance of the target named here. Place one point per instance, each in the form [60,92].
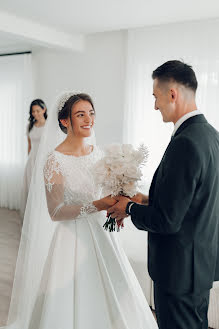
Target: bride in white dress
[37,119]
[71,274]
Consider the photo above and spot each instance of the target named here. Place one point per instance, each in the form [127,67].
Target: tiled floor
[10,228]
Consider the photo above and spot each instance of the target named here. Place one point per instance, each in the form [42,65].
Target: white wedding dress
[70,273]
[35,136]
[87,281]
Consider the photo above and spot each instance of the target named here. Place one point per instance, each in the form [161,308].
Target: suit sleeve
[175,189]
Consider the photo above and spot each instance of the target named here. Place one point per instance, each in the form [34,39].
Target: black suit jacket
[183,213]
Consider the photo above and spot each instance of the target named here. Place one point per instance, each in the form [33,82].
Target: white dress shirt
[184,118]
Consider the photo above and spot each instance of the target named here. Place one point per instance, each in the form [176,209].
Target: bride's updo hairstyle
[65,111]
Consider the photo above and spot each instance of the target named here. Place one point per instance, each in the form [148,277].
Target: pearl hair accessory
[64,98]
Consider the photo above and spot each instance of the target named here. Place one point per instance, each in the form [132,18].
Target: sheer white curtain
[15,96]
[147,48]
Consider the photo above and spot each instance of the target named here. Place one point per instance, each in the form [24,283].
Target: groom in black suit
[182,212]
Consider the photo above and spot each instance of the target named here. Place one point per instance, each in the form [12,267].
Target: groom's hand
[140,198]
[118,210]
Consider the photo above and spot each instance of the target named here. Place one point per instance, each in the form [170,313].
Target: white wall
[99,71]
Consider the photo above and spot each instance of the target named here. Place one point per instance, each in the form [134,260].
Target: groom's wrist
[128,207]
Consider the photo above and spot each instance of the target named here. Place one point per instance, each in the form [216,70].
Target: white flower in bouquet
[119,171]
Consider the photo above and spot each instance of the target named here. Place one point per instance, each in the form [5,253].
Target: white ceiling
[91,16]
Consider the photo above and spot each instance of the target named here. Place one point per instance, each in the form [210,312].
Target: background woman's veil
[37,235]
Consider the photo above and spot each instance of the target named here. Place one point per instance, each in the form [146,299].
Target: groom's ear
[173,93]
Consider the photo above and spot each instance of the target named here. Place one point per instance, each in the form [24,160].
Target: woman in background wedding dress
[37,119]
[71,274]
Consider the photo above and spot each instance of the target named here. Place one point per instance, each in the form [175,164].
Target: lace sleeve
[54,185]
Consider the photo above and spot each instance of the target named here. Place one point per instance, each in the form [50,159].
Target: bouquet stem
[110,224]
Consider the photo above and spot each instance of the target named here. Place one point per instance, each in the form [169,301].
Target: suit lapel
[195,119]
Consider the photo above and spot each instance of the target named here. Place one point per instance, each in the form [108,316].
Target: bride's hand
[104,203]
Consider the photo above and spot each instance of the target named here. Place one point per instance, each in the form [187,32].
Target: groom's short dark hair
[176,71]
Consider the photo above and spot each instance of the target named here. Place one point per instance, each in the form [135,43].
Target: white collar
[184,118]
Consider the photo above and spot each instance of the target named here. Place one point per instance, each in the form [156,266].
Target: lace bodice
[70,184]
